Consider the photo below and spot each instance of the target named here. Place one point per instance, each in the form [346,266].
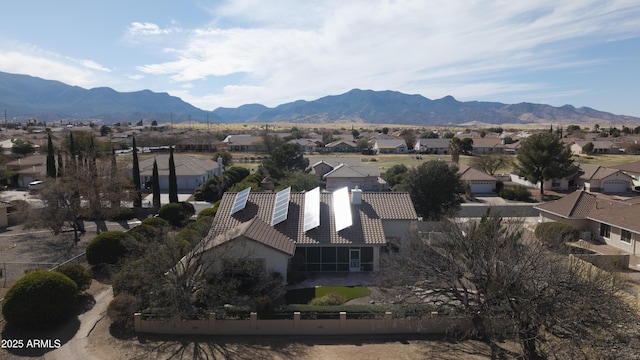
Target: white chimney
[356,196]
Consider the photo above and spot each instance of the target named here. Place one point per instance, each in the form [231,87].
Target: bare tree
[507,284]
[490,163]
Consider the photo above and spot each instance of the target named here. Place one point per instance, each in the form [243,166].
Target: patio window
[625,236]
[605,230]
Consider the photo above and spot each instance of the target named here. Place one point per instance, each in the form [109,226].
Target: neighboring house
[432,146]
[321,166]
[612,221]
[488,145]
[306,145]
[246,235]
[366,178]
[28,169]
[190,171]
[390,147]
[479,182]
[243,142]
[342,146]
[632,169]
[599,147]
[554,184]
[595,178]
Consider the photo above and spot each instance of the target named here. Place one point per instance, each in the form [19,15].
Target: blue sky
[230,53]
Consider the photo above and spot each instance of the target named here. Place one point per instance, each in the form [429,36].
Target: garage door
[614,186]
[481,187]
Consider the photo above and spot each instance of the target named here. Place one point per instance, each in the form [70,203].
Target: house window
[555,184]
[605,230]
[625,236]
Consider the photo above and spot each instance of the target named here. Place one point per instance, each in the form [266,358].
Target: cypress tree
[60,164]
[137,201]
[155,183]
[51,160]
[173,181]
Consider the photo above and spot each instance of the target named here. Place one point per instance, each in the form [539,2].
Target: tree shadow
[217,347]
[101,226]
[38,342]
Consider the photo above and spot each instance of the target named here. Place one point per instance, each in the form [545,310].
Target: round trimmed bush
[176,214]
[40,298]
[145,233]
[107,248]
[79,274]
[211,212]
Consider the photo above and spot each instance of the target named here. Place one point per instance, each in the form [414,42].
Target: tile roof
[185,165]
[632,167]
[390,144]
[334,161]
[608,210]
[256,230]
[467,173]
[367,217]
[346,171]
[578,204]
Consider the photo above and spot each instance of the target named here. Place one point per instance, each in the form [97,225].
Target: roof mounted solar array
[241,200]
[281,206]
[311,209]
[342,209]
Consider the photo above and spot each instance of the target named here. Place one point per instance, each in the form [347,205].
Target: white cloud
[149,29]
[93,65]
[289,50]
[45,65]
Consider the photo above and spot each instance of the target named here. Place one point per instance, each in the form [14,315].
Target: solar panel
[342,208]
[311,209]
[241,200]
[281,206]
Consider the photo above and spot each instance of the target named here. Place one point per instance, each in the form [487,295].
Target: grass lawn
[303,296]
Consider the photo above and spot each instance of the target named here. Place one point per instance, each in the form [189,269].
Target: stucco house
[432,146]
[191,171]
[326,246]
[342,146]
[632,169]
[599,147]
[390,147]
[479,182]
[610,220]
[595,178]
[29,169]
[321,166]
[244,142]
[366,178]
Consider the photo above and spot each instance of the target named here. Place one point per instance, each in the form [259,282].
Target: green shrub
[145,233]
[328,300]
[176,214]
[121,310]
[556,233]
[157,222]
[121,214]
[40,298]
[107,248]
[518,193]
[211,212]
[79,274]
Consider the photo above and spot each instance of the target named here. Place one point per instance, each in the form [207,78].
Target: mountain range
[25,97]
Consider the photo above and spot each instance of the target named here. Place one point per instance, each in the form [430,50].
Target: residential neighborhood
[331,218]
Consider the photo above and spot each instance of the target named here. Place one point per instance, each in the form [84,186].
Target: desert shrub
[518,193]
[79,274]
[121,214]
[556,233]
[40,298]
[211,212]
[157,222]
[107,248]
[328,300]
[121,310]
[145,233]
[176,214]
